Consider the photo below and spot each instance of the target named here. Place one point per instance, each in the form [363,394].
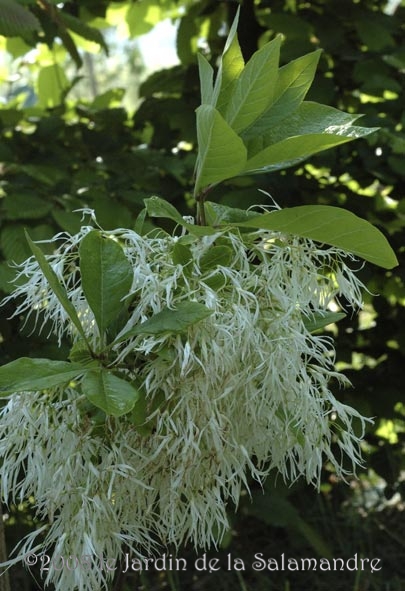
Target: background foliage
[71,138]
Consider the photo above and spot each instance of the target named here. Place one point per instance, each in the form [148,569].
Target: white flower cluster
[243,392]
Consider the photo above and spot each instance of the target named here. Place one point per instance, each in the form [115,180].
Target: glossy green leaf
[221,152]
[106,276]
[32,375]
[293,82]
[320,320]
[169,320]
[160,208]
[56,286]
[330,225]
[255,87]
[113,395]
[309,130]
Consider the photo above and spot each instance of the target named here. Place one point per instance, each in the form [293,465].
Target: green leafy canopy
[254,117]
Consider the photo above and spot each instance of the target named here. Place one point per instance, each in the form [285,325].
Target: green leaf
[67,220]
[79,353]
[16,20]
[82,29]
[310,129]
[26,206]
[255,87]
[160,208]
[221,152]
[231,66]
[206,73]
[226,61]
[139,417]
[175,320]
[56,286]
[293,83]
[32,375]
[106,276]
[142,16]
[330,225]
[217,213]
[181,254]
[52,84]
[169,320]
[374,34]
[216,255]
[7,278]
[14,244]
[320,320]
[113,395]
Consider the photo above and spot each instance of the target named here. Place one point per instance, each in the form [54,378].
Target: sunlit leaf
[254,89]
[311,129]
[231,66]
[52,84]
[321,319]
[83,29]
[221,152]
[293,82]
[330,225]
[223,78]
[206,80]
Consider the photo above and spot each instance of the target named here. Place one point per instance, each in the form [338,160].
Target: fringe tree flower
[242,392]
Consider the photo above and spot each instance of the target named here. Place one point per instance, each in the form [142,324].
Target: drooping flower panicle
[242,392]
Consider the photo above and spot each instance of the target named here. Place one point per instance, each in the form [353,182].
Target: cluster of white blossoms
[242,392]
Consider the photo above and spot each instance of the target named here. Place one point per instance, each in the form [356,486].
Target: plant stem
[201,219]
